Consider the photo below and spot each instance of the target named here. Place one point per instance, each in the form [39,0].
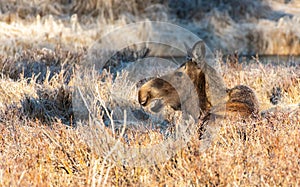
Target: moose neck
[200,85]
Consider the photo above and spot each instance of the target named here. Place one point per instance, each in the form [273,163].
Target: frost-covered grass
[39,146]
[42,146]
[264,27]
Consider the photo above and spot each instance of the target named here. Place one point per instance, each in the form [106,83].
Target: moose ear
[198,51]
[188,51]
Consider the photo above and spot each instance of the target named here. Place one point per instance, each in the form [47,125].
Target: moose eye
[179,74]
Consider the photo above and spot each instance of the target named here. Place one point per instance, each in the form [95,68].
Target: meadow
[43,44]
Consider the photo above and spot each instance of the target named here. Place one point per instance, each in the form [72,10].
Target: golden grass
[43,43]
[264,27]
[266,154]
[262,151]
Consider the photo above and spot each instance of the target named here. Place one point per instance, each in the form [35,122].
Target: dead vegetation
[41,144]
[268,154]
[39,147]
[264,27]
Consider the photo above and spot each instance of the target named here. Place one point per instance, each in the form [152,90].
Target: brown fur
[184,79]
[238,101]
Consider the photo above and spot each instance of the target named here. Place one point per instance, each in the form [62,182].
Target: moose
[197,88]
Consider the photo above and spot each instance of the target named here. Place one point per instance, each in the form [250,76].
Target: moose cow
[198,89]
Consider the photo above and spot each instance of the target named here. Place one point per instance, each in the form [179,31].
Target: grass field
[43,43]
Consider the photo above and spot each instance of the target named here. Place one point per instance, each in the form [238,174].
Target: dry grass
[264,27]
[42,144]
[262,151]
[267,155]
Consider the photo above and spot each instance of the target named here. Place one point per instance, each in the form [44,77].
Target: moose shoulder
[196,83]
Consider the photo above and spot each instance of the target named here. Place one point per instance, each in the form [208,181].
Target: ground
[42,144]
